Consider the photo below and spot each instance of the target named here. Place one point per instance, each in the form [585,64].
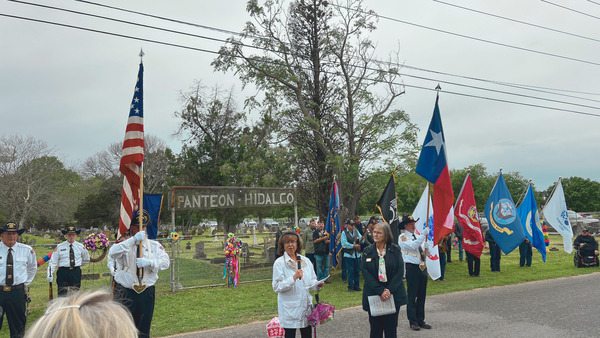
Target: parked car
[269,223]
[249,223]
[578,221]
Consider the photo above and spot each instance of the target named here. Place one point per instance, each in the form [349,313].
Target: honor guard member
[416,272]
[110,263]
[129,284]
[18,266]
[69,256]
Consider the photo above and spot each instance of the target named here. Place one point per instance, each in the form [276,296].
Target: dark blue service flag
[501,212]
[152,206]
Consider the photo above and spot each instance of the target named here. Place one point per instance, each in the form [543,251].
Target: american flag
[132,156]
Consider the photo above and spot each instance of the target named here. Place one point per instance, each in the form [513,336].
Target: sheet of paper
[379,308]
[318,282]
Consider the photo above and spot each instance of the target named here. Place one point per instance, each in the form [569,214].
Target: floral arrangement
[297,229]
[95,242]
[174,235]
[231,271]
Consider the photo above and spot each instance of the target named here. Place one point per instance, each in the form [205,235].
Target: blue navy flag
[505,224]
[333,226]
[152,207]
[529,215]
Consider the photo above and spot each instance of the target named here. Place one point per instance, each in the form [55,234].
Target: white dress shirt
[125,254]
[61,258]
[24,264]
[410,243]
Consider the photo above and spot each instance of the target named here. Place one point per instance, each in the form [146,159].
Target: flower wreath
[96,242]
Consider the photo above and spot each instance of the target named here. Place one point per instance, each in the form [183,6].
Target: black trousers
[473,264]
[13,303]
[495,255]
[387,324]
[305,332]
[140,305]
[416,290]
[68,278]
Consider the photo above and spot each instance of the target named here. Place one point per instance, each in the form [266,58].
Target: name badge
[368,260]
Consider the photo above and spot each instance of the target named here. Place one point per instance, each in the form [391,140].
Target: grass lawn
[213,307]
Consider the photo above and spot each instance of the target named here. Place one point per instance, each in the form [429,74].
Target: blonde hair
[87,314]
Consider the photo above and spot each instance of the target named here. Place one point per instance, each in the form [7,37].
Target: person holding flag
[416,272]
[467,215]
[140,302]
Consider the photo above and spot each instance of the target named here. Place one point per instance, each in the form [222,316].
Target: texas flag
[433,167]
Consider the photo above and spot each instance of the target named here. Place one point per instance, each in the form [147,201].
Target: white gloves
[49,278]
[143,262]
[139,236]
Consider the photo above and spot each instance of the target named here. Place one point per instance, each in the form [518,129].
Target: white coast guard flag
[555,212]
[420,213]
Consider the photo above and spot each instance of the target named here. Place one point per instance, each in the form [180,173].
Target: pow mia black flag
[388,207]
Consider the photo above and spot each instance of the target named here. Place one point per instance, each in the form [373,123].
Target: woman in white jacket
[292,285]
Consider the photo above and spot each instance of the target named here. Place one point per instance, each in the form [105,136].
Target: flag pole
[141,211]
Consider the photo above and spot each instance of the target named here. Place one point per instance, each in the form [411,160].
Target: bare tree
[335,104]
[35,185]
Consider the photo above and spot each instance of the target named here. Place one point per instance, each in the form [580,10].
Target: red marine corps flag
[465,211]
[133,155]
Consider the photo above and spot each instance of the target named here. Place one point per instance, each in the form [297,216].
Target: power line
[260,37]
[259,60]
[477,39]
[264,49]
[570,9]
[517,21]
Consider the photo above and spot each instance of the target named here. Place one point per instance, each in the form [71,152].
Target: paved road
[563,307]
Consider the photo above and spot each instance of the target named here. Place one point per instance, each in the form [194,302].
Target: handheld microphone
[299,261]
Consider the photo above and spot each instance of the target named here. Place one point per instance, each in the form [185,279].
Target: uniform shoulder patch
[403,238]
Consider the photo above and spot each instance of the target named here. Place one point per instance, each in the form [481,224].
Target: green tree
[581,194]
[335,106]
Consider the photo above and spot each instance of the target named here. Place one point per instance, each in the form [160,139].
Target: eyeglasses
[289,242]
[378,232]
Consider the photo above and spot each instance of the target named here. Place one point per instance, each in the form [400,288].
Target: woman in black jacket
[383,271]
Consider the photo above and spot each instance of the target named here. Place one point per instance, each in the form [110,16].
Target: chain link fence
[196,261]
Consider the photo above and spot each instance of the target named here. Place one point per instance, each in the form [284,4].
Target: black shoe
[414,327]
[327,281]
[351,290]
[357,289]
[425,326]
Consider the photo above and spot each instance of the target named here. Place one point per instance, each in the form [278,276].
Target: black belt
[12,288]
[68,267]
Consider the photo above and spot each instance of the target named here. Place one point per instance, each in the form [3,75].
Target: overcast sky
[72,88]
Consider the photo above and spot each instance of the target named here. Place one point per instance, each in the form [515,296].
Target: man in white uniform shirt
[69,256]
[125,254]
[18,265]
[416,271]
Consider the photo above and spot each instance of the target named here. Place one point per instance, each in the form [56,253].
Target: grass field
[203,308]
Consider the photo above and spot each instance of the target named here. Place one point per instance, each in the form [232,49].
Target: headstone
[246,253]
[200,254]
[255,239]
[271,254]
[188,246]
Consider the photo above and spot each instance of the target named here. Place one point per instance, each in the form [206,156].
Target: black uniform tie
[9,268]
[72,256]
